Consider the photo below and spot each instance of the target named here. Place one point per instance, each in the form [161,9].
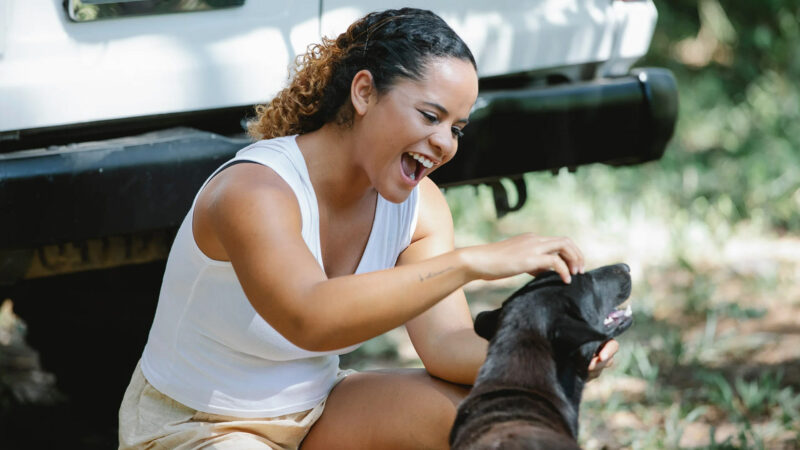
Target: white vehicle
[104,102]
[112,113]
[61,67]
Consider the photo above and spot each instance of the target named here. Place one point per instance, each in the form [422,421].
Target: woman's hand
[603,359]
[526,253]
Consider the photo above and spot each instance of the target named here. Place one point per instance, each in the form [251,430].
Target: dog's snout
[625,267]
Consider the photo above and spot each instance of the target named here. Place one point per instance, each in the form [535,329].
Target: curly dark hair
[391,44]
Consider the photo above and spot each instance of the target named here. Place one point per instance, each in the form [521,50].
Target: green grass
[709,363]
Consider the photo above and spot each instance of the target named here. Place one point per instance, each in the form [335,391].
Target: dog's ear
[569,334]
[486,324]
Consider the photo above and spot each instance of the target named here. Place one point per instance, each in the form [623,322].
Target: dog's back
[520,435]
[510,419]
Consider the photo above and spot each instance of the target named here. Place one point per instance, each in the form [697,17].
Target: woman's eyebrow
[444,111]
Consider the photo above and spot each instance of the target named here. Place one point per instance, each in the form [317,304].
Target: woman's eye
[430,117]
[457,132]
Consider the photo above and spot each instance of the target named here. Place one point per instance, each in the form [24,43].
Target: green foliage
[737,142]
[735,155]
[735,311]
[641,366]
[734,162]
[371,353]
[731,170]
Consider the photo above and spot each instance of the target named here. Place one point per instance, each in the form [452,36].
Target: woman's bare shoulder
[434,213]
[433,233]
[242,200]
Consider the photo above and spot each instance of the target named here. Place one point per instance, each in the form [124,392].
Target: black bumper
[146,183]
[108,188]
[619,121]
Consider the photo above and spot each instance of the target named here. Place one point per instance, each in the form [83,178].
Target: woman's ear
[361,91]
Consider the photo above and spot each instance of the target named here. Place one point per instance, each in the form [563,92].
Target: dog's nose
[625,267]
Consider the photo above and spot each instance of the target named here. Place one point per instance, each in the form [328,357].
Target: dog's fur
[541,341]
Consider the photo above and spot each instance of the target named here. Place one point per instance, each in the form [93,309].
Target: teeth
[423,160]
[413,176]
[616,315]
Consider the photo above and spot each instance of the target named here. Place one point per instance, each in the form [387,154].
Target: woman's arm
[443,336]
[249,216]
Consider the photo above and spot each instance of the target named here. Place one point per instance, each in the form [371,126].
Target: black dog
[542,339]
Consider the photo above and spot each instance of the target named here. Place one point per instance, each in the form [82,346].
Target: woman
[321,235]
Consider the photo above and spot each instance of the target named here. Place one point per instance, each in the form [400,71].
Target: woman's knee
[434,414]
[406,409]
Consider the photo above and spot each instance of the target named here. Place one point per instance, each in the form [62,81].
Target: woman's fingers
[572,255]
[560,267]
[531,254]
[565,257]
[608,350]
[604,358]
[596,367]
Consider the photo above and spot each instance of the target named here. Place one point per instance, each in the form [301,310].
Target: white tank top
[210,350]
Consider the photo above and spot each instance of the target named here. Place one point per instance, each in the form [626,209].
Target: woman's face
[413,128]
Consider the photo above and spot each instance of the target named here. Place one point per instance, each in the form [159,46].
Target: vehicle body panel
[108,127]
[55,72]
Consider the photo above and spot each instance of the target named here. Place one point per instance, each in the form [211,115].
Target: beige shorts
[152,420]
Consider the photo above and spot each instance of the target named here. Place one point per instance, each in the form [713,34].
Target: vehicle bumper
[619,121]
[143,184]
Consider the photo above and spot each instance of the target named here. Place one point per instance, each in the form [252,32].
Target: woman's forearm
[458,356]
[338,312]
[343,311]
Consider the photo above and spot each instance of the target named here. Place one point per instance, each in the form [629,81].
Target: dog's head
[576,318]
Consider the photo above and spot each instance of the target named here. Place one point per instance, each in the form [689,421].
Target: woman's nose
[444,144]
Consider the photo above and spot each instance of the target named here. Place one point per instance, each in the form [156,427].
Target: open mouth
[619,320]
[415,165]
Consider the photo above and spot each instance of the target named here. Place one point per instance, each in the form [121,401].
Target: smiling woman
[322,234]
[412,129]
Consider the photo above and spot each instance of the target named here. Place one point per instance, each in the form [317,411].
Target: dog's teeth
[608,321]
[628,311]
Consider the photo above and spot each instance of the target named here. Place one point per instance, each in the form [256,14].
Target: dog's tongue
[617,315]
[409,165]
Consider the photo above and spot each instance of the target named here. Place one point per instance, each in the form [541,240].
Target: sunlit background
[711,232]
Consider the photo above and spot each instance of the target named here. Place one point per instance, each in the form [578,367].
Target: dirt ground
[712,360]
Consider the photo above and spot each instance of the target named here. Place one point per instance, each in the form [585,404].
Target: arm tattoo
[434,274]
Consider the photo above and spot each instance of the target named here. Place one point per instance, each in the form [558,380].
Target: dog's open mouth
[619,320]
